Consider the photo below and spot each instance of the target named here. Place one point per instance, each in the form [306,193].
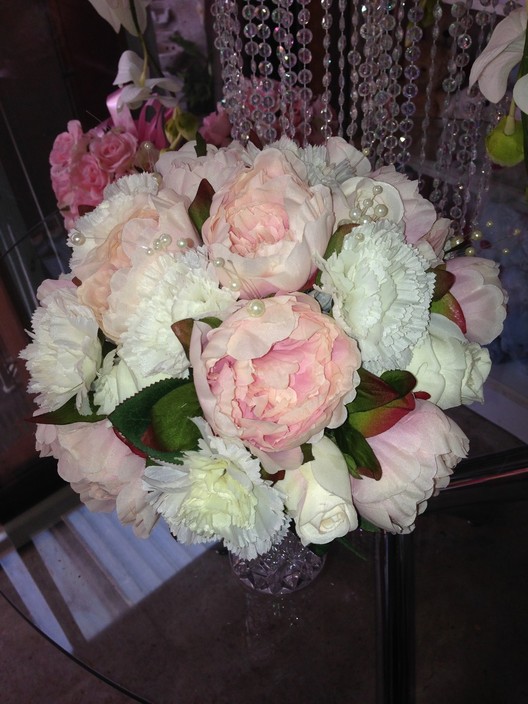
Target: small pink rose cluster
[302,306]
[84,163]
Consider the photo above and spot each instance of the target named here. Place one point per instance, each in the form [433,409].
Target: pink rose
[115,151]
[276,380]
[100,468]
[88,181]
[216,128]
[124,229]
[417,456]
[61,184]
[478,290]
[68,144]
[266,225]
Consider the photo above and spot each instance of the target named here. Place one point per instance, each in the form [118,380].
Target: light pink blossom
[417,456]
[478,290]
[276,380]
[266,225]
[115,151]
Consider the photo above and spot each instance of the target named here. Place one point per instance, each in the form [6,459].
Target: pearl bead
[149,251]
[182,243]
[256,308]
[517,232]
[505,250]
[157,245]
[235,285]
[157,177]
[381,210]
[470,252]
[359,236]
[77,238]
[165,239]
[366,151]
[146,146]
[368,203]
[219,262]
[490,223]
[377,190]
[364,220]
[476,235]
[355,214]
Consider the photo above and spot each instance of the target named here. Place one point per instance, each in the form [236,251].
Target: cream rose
[318,495]
[417,456]
[266,226]
[448,367]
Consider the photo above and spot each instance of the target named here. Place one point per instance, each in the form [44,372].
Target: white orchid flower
[118,12]
[504,51]
[132,77]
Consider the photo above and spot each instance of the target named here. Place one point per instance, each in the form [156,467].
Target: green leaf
[201,145]
[348,545]
[352,443]
[201,205]
[443,281]
[450,308]
[171,419]
[352,466]
[306,449]
[335,243]
[213,322]
[381,401]
[65,415]
[132,419]
[368,526]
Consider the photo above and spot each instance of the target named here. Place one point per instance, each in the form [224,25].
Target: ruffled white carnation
[173,289]
[381,293]
[116,382]
[65,353]
[417,457]
[218,494]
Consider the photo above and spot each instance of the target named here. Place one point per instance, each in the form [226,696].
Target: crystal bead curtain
[389,76]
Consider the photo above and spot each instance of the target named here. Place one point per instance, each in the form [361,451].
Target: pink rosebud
[275,374]
[115,151]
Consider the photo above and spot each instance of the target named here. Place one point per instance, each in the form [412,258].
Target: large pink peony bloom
[266,225]
[101,469]
[277,380]
[417,456]
[478,290]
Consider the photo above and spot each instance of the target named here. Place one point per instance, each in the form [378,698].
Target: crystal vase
[288,567]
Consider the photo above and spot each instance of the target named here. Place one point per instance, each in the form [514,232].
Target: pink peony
[115,151]
[483,300]
[123,228]
[216,128]
[266,225]
[101,469]
[417,456]
[275,380]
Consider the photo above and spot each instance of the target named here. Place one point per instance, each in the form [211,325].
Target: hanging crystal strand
[411,74]
[341,46]
[388,90]
[426,120]
[370,30]
[267,126]
[283,18]
[450,129]
[354,60]
[251,49]
[326,96]
[304,76]
[229,45]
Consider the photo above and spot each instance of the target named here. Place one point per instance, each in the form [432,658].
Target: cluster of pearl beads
[162,242]
[378,210]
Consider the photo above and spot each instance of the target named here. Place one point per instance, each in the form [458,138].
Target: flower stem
[523,70]
[509,125]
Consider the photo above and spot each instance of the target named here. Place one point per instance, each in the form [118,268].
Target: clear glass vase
[286,568]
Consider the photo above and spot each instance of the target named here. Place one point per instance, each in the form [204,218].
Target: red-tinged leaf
[401,381]
[354,446]
[422,395]
[450,307]
[443,281]
[201,205]
[183,331]
[255,139]
[378,420]
[372,392]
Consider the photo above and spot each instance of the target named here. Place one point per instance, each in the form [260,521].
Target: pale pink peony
[266,225]
[183,171]
[115,151]
[125,226]
[478,290]
[276,380]
[101,469]
[417,456]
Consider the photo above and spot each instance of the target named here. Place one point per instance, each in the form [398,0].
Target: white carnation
[65,353]
[218,494]
[173,289]
[381,293]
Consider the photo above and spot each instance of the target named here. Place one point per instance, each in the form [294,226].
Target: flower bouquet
[254,336]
